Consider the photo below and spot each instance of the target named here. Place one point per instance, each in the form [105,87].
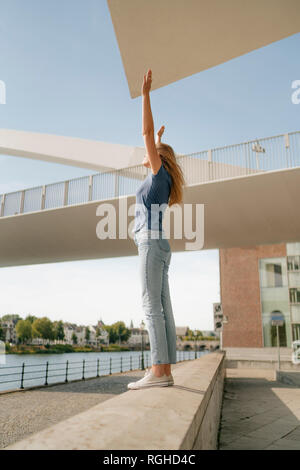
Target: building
[218,318]
[103,338]
[136,337]
[80,332]
[181,331]
[256,282]
[9,330]
[69,329]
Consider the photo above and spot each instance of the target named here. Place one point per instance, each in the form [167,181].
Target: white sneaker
[170,379]
[149,380]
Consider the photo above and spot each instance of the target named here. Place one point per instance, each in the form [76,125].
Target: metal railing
[80,370]
[256,156]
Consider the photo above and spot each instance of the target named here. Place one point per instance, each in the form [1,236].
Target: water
[36,366]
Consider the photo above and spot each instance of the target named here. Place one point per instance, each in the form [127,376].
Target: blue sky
[64,75]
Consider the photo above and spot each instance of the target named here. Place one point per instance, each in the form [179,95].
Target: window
[274,275]
[293,263]
[295,295]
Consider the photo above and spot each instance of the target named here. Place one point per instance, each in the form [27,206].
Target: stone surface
[258,412]
[152,418]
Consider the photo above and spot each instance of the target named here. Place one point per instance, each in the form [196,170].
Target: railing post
[46,378]
[90,187]
[110,366]
[121,365]
[97,367]
[43,197]
[287,140]
[287,148]
[2,205]
[83,364]
[116,183]
[66,190]
[209,160]
[130,363]
[67,366]
[21,208]
[22,376]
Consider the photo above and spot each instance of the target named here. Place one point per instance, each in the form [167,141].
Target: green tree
[120,332]
[43,328]
[13,317]
[74,338]
[31,318]
[1,333]
[111,332]
[87,334]
[24,330]
[59,330]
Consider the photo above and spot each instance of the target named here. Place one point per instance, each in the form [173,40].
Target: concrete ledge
[289,377]
[256,364]
[183,416]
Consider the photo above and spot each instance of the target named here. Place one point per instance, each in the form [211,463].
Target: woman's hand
[159,134]
[147,83]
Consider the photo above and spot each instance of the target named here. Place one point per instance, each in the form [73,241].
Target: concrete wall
[183,416]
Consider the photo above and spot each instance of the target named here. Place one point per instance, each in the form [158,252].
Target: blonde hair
[168,158]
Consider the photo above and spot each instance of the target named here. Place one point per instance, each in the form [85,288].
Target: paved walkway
[26,412]
[259,412]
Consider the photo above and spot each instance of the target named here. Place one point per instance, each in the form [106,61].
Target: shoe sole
[163,384]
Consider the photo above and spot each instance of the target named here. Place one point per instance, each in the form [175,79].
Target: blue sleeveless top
[155,189]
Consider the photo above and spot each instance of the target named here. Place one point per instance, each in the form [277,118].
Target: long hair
[168,158]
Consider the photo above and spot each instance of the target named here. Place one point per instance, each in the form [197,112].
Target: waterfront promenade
[259,412]
[26,412]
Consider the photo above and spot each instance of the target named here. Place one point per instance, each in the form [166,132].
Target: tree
[24,330]
[59,330]
[74,338]
[87,334]
[120,332]
[1,334]
[13,317]
[31,318]
[98,333]
[43,328]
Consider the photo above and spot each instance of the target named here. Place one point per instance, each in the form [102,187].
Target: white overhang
[178,38]
[83,153]
[243,211]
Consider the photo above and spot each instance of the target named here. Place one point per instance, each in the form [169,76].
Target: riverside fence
[62,372]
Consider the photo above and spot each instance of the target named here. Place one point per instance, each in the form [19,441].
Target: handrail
[124,363]
[251,157]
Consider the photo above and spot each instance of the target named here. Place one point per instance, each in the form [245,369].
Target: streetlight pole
[195,335]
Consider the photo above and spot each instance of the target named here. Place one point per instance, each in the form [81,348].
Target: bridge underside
[243,211]
[177,39]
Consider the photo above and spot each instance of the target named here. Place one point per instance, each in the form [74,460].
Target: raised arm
[148,125]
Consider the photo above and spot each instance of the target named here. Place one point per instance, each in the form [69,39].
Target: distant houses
[9,333]
[136,337]
[86,335]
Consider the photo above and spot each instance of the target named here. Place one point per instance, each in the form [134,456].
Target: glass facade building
[279,280]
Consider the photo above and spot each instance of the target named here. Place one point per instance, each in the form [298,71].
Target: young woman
[162,187]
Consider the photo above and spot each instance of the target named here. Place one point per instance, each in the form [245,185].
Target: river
[36,370]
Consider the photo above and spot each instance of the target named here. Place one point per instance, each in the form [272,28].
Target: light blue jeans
[154,260]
